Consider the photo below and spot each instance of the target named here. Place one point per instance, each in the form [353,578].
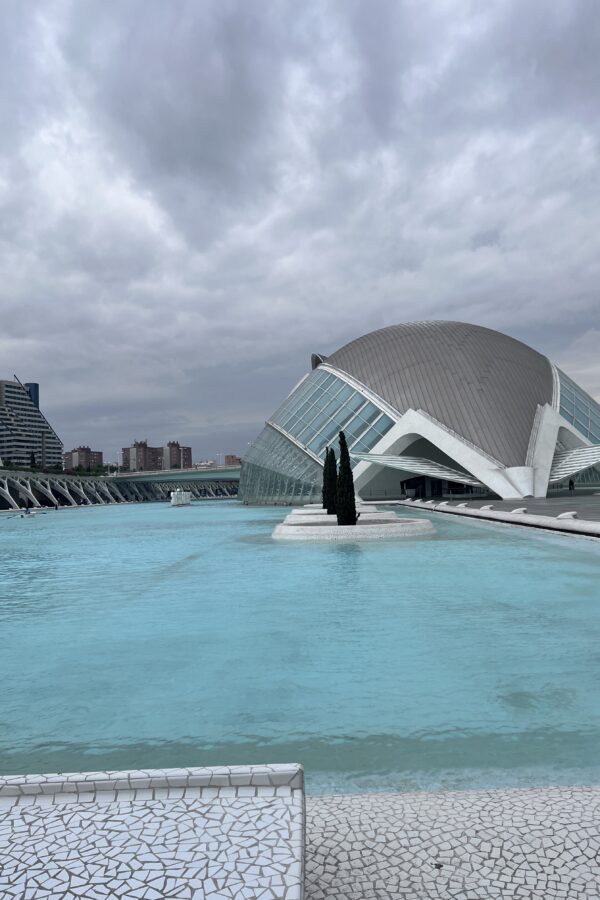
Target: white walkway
[469,845]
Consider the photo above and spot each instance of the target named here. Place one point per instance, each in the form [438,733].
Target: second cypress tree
[331,466]
[344,501]
[326,482]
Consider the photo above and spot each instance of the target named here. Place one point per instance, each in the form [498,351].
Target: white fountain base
[378,530]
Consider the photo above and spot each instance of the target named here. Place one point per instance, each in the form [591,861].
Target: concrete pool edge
[581,527]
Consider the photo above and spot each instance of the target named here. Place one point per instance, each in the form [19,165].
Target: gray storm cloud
[196,196]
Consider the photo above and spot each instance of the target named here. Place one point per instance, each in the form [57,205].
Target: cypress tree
[325,488]
[331,481]
[345,504]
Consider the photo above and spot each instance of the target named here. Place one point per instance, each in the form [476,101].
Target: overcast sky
[194,196]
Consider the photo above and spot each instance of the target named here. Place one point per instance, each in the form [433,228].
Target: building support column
[4,492]
[61,488]
[78,489]
[24,489]
[44,488]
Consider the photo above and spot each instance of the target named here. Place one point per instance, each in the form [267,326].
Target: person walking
[571,484]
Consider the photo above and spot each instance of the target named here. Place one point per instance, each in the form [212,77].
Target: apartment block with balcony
[26,437]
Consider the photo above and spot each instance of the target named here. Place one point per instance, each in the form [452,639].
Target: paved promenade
[539,844]
[587,506]
[567,514]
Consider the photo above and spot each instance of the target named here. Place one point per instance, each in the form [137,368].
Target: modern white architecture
[434,407]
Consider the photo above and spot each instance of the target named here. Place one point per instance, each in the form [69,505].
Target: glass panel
[328,379]
[367,441]
[316,445]
[579,408]
[356,401]
[340,421]
[332,407]
[294,426]
[369,413]
[306,434]
[354,430]
[302,409]
[344,394]
[329,432]
[384,424]
[320,420]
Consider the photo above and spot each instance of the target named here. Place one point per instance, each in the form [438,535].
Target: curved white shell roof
[482,384]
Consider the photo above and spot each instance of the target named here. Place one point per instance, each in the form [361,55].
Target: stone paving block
[464,845]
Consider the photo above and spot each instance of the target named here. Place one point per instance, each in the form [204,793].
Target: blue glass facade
[579,409]
[322,406]
[277,470]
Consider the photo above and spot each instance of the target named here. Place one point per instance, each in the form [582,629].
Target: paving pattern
[237,832]
[191,834]
[539,844]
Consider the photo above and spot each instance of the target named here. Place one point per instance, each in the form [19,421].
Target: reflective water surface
[138,636]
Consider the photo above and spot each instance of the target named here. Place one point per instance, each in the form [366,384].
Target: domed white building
[431,407]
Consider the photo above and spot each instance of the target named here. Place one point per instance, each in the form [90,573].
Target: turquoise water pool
[136,636]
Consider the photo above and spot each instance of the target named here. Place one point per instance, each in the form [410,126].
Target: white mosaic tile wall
[231,832]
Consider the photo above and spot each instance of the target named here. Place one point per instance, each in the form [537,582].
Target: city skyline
[196,198]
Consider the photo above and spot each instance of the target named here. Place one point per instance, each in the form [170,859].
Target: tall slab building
[26,436]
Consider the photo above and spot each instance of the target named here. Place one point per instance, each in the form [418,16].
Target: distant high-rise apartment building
[232,460]
[82,457]
[177,457]
[26,436]
[142,458]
